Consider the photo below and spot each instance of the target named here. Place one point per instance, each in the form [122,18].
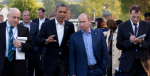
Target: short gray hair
[26,11]
[88,17]
[60,5]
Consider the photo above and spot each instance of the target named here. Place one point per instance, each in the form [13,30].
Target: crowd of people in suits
[53,48]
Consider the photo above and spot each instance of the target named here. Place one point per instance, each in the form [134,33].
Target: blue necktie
[11,52]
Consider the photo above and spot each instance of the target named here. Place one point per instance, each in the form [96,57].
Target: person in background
[33,29]
[1,18]
[113,52]
[118,22]
[51,16]
[100,23]
[147,17]
[39,21]
[68,16]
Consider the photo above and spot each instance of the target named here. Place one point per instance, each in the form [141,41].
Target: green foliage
[49,6]
[75,10]
[126,4]
[9,3]
[29,5]
[89,7]
[1,6]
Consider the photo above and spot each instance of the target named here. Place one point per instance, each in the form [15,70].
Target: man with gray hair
[33,29]
[87,50]
[9,31]
[54,36]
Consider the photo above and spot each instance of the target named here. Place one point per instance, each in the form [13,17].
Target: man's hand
[50,39]
[138,40]
[132,38]
[17,43]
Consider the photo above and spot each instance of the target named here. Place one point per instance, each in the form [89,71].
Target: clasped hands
[50,39]
[133,39]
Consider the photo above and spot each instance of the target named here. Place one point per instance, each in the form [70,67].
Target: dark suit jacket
[52,49]
[129,49]
[26,47]
[34,29]
[77,53]
[36,20]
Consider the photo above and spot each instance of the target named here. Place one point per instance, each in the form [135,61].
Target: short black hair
[99,20]
[118,22]
[51,15]
[42,9]
[147,14]
[60,5]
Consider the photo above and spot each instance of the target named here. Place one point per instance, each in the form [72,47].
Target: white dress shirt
[60,31]
[15,34]
[40,22]
[133,27]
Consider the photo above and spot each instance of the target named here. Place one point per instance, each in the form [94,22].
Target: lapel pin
[95,33]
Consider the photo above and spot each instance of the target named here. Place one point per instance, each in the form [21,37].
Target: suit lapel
[129,27]
[54,31]
[140,28]
[19,30]
[65,32]
[4,33]
[94,38]
[80,39]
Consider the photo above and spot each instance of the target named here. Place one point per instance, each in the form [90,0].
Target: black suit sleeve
[146,42]
[121,43]
[40,39]
[28,46]
[72,28]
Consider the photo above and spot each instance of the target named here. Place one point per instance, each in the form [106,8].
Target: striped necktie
[11,52]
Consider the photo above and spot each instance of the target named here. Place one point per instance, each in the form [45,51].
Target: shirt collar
[25,24]
[89,32]
[42,20]
[132,23]
[8,25]
[56,22]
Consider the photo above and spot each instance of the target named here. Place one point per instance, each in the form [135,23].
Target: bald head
[13,10]
[84,22]
[13,17]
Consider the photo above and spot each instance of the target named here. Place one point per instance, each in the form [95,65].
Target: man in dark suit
[33,28]
[54,35]
[147,17]
[9,30]
[39,21]
[87,50]
[134,60]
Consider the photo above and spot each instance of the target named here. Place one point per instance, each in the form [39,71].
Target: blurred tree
[49,6]
[126,4]
[9,3]
[75,10]
[60,1]
[89,7]
[29,5]
[1,6]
